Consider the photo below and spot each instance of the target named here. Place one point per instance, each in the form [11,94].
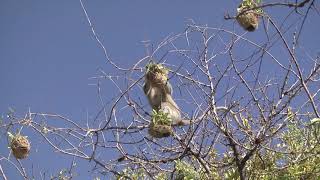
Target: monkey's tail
[185,122]
[182,122]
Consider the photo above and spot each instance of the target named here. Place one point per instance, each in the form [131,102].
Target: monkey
[157,92]
[160,98]
[171,108]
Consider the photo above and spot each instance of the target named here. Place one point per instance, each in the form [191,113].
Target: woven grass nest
[248,19]
[160,125]
[20,146]
[157,73]
[160,131]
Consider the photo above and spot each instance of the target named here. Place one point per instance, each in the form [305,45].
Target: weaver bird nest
[20,146]
[248,19]
[160,125]
[157,73]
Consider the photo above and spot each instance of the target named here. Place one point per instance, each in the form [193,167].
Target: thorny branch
[240,92]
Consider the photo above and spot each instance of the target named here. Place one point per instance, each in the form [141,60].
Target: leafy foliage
[185,171]
[298,155]
[247,4]
[130,173]
[160,118]
[157,68]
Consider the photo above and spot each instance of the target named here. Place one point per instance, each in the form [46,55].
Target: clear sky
[48,54]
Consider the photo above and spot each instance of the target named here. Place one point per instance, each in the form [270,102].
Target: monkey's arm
[154,97]
[157,93]
[168,88]
[146,88]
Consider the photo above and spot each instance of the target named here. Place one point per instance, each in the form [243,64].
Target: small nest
[160,131]
[249,20]
[20,146]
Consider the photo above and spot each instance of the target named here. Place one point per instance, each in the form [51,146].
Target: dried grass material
[249,20]
[160,131]
[20,146]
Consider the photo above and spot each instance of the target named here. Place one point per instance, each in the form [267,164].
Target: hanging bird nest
[160,131]
[20,146]
[248,19]
[160,125]
[157,73]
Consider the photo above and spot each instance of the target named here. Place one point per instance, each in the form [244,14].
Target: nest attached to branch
[160,131]
[248,19]
[160,125]
[20,146]
[157,73]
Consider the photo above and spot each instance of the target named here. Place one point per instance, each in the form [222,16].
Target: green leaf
[315,120]
[160,118]
[245,122]
[11,136]
[251,4]
[11,110]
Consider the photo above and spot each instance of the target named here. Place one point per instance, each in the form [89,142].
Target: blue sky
[48,54]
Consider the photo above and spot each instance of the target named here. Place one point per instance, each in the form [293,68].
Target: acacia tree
[255,111]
